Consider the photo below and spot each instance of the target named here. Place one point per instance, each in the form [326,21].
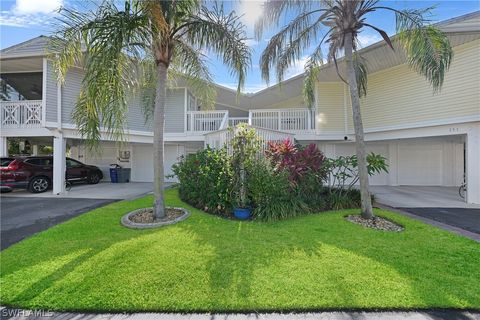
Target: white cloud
[28,13]
[36,6]
[250,10]
[366,39]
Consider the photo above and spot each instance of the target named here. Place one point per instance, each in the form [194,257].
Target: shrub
[271,194]
[245,148]
[300,162]
[206,180]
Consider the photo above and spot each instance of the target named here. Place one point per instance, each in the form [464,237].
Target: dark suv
[35,173]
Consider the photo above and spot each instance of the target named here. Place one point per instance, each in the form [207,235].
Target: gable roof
[29,48]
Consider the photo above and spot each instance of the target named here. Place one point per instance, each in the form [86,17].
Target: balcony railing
[233,121]
[221,138]
[21,114]
[206,121]
[288,120]
[295,120]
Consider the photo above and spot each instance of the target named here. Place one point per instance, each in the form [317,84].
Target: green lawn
[211,264]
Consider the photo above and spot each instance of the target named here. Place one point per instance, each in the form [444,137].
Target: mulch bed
[377,223]
[147,216]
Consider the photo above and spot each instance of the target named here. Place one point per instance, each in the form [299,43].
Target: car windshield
[4,162]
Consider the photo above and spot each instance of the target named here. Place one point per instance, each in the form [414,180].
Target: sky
[21,20]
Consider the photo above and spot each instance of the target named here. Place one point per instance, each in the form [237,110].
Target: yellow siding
[330,107]
[399,96]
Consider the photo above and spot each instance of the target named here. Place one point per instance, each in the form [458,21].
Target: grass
[206,263]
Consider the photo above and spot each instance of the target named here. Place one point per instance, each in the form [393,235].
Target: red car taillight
[11,167]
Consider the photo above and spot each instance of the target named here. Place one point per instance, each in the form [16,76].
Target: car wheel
[94,178]
[39,184]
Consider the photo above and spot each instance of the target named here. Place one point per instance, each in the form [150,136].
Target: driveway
[103,190]
[441,204]
[420,197]
[22,217]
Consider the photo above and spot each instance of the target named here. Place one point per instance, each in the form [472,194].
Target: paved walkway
[420,315]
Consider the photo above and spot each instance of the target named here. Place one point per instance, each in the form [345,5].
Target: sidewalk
[411,315]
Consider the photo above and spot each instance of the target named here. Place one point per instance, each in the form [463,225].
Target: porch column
[35,150]
[473,165]
[59,165]
[3,147]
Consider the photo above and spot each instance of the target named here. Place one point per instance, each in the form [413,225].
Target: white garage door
[420,164]
[142,161]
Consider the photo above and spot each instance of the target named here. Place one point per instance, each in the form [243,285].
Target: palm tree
[335,24]
[132,49]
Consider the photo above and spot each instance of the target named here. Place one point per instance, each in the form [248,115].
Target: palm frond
[273,11]
[427,48]
[286,46]
[224,35]
[361,73]
[188,64]
[108,41]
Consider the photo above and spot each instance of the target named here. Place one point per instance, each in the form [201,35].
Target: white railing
[290,120]
[21,114]
[233,121]
[206,121]
[220,138]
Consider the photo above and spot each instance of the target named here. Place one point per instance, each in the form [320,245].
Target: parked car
[35,173]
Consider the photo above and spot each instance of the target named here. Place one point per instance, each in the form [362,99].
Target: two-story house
[430,139]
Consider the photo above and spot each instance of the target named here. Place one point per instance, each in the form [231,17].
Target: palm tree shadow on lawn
[222,265]
[272,266]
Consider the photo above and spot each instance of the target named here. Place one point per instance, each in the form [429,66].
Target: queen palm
[333,26]
[133,50]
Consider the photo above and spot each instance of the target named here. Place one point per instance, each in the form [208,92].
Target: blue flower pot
[242,213]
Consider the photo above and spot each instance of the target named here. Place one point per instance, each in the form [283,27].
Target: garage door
[420,164]
[142,161]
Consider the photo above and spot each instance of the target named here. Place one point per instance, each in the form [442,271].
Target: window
[73,163]
[39,161]
[21,86]
[5,162]
[192,102]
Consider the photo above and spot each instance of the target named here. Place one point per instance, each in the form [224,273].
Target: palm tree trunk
[158,125]
[367,211]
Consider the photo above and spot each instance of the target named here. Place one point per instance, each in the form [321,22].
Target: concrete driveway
[21,217]
[103,190]
[420,197]
[440,204]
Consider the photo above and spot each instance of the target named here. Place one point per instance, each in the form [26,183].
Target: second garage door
[142,161]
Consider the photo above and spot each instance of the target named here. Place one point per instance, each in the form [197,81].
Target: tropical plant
[271,193]
[134,47]
[343,170]
[245,145]
[301,162]
[427,49]
[206,180]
